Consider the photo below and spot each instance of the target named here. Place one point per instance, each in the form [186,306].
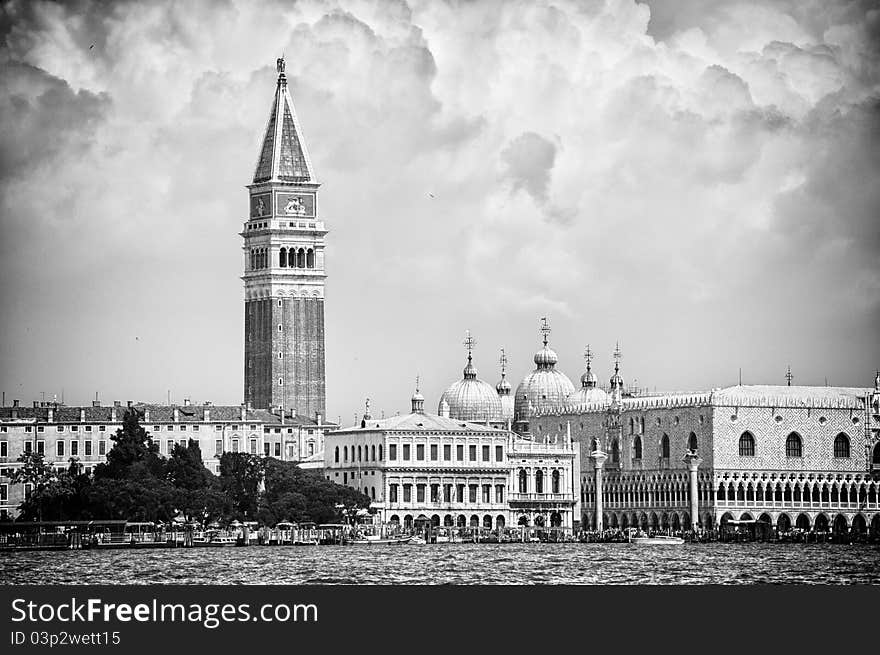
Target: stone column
[693,462]
[599,458]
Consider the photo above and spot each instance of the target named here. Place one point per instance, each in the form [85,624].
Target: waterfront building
[62,432]
[284,270]
[434,469]
[769,457]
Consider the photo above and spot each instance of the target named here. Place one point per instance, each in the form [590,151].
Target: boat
[658,540]
[417,541]
[376,540]
[218,540]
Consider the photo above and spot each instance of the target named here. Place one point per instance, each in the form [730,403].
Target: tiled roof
[158,414]
[766,395]
[427,422]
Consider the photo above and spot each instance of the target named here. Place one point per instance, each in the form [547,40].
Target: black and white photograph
[423,292]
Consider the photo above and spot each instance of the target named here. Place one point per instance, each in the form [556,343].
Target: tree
[241,475]
[35,471]
[198,493]
[134,455]
[294,494]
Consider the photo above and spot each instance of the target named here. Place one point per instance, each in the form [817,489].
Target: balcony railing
[531,497]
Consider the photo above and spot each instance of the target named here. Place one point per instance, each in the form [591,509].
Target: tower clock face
[295,204]
[261,205]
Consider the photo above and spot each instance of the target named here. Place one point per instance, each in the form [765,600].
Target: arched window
[522,481]
[637,448]
[373,493]
[312,451]
[615,452]
[337,453]
[301,258]
[793,445]
[359,453]
[380,452]
[692,443]
[632,426]
[664,447]
[746,445]
[556,481]
[310,258]
[841,446]
[373,452]
[539,482]
[282,258]
[291,258]
[345,453]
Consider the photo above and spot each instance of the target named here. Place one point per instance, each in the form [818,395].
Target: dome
[542,388]
[472,399]
[588,396]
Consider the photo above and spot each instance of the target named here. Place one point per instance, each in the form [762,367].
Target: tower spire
[470,373]
[284,156]
[588,379]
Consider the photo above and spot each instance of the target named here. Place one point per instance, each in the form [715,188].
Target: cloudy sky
[698,180]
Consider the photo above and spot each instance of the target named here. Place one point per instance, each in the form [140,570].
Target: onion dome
[471,399]
[589,393]
[544,387]
[504,388]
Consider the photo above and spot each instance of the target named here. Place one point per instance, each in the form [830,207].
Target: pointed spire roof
[284,156]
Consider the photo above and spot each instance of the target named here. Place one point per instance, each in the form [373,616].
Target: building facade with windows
[425,468]
[782,456]
[61,432]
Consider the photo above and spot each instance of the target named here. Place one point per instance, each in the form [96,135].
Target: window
[41,448]
[28,428]
[74,448]
[637,448]
[170,428]
[59,428]
[235,445]
[435,493]
[420,452]
[4,493]
[28,446]
[392,493]
[434,452]
[3,428]
[841,445]
[406,453]
[88,448]
[253,446]
[793,445]
[59,448]
[88,428]
[555,479]
[392,452]
[218,447]
[183,428]
[539,482]
[472,453]
[523,481]
[373,452]
[447,452]
[217,428]
[157,428]
[41,428]
[266,448]
[459,493]
[692,443]
[278,449]
[459,453]
[447,493]
[407,493]
[499,453]
[499,493]
[472,493]
[486,451]
[420,493]
[664,447]
[359,454]
[4,449]
[74,428]
[195,428]
[102,428]
[380,452]
[487,493]
[615,452]
[169,446]
[102,447]
[747,445]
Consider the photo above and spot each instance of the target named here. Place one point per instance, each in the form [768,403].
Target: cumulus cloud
[697,180]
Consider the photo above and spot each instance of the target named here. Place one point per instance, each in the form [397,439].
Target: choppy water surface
[454,564]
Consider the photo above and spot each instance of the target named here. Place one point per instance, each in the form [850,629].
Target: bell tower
[284,270]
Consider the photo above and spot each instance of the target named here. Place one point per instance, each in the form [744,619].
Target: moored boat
[376,540]
[658,540]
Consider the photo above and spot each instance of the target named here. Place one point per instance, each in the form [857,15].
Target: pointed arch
[747,444]
[841,446]
[637,448]
[310,258]
[282,258]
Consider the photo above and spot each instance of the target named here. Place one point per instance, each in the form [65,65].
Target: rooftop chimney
[116,403]
[96,403]
[244,412]
[82,415]
[176,413]
[186,402]
[15,403]
[207,412]
[113,411]
[129,403]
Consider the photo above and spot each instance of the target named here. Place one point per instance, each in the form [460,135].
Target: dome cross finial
[417,383]
[469,343]
[545,329]
[503,361]
[279,64]
[588,356]
[789,376]
[617,356]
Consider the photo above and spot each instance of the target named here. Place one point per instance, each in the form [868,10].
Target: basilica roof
[544,387]
[472,399]
[284,156]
